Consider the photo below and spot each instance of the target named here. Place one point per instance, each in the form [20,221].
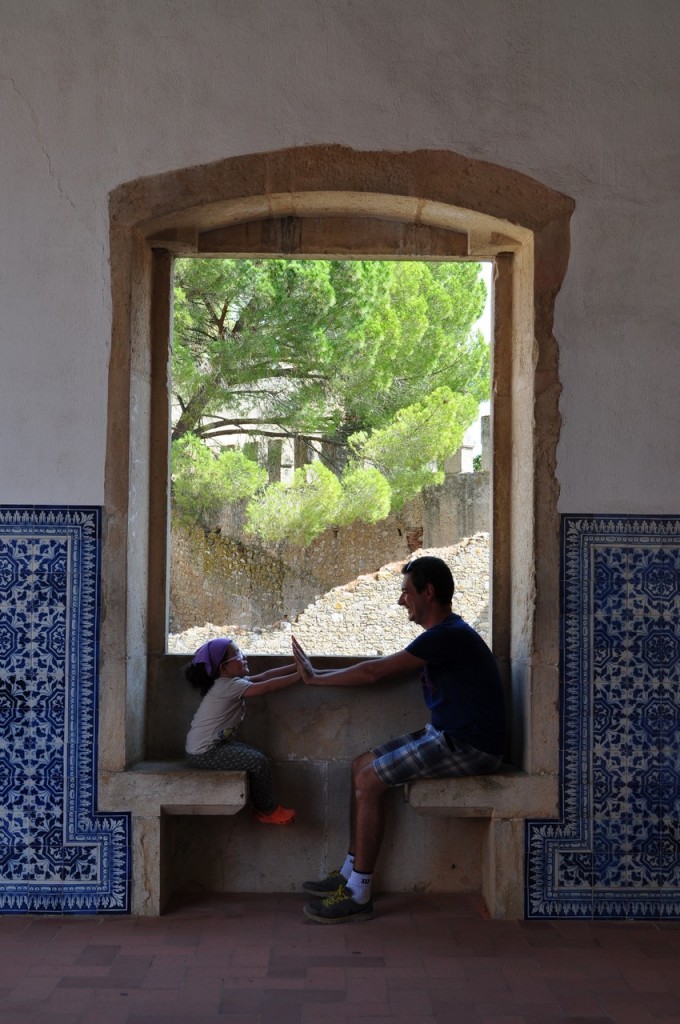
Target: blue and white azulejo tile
[57,854]
[615,852]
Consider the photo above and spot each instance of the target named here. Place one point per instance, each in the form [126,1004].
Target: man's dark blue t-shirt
[461,684]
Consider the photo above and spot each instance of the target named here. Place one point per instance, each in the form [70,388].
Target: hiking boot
[279,816]
[339,908]
[325,886]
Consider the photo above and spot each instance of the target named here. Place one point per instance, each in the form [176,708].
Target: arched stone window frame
[334,201]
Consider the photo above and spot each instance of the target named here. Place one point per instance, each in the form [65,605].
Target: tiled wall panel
[615,852]
[57,855]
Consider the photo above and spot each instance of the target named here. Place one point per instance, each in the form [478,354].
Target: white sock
[348,866]
[359,885]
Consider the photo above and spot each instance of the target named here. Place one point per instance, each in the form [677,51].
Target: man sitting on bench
[466,734]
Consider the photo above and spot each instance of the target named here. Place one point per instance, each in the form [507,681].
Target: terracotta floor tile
[90,1016]
[325,977]
[257,960]
[239,1001]
[98,955]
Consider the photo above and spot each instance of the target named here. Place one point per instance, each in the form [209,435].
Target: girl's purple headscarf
[212,655]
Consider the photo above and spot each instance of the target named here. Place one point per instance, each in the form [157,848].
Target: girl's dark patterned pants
[233,756]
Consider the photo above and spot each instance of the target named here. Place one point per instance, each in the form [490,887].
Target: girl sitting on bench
[220,671]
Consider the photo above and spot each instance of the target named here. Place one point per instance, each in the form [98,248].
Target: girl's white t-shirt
[220,711]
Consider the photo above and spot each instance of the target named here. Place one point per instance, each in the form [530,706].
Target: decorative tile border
[615,852]
[57,855]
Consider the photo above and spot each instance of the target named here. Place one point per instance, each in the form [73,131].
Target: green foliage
[320,346]
[365,495]
[425,342]
[298,511]
[301,510]
[377,359]
[411,450]
[203,483]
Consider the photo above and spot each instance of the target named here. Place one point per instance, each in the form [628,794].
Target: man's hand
[365,673]
[304,665]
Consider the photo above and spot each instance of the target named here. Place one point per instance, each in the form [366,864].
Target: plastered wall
[581,96]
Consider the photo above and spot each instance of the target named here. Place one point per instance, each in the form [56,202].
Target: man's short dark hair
[429,569]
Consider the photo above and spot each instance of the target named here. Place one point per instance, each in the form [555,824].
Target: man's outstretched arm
[364,674]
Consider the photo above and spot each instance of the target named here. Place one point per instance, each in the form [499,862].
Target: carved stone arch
[334,201]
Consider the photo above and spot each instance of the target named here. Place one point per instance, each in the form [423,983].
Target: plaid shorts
[429,753]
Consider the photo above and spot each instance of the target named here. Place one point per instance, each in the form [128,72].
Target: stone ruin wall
[216,578]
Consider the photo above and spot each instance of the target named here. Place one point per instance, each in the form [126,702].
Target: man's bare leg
[357,764]
[352,902]
[368,813]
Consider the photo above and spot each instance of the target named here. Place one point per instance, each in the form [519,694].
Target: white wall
[583,95]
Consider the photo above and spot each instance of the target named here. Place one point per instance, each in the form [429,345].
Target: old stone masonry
[362,617]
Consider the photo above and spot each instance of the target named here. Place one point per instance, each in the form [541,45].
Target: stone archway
[334,201]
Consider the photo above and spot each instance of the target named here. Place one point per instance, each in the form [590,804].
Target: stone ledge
[151,788]
[508,793]
[153,792]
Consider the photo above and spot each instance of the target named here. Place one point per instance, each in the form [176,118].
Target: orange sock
[279,816]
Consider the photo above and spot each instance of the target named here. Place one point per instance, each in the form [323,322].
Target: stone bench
[505,800]
[153,791]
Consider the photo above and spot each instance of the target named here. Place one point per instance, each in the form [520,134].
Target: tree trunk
[191,414]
